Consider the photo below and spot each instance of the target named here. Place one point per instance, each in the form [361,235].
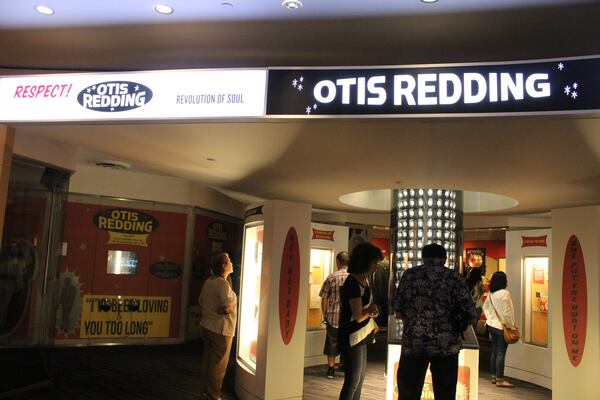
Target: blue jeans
[355,367]
[499,347]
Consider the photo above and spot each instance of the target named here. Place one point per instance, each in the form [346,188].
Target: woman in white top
[498,309]
[218,310]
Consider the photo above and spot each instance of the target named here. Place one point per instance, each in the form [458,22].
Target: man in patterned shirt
[330,306]
[435,306]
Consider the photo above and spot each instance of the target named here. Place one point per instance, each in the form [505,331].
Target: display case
[321,266]
[250,294]
[536,300]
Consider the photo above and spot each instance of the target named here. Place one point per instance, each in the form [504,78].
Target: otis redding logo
[114,96]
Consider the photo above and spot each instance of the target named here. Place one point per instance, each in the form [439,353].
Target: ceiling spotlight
[210,159]
[429,1]
[44,10]
[227,5]
[163,9]
[291,4]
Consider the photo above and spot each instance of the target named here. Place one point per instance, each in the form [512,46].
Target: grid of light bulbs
[424,216]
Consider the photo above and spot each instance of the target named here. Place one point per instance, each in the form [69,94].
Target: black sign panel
[568,85]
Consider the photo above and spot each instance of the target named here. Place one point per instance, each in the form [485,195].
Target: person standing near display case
[218,314]
[330,307]
[356,317]
[499,311]
[435,307]
[477,290]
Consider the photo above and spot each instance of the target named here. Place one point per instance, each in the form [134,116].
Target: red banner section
[289,285]
[534,241]
[96,266]
[574,301]
[322,235]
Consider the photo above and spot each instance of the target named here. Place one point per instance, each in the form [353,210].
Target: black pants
[411,376]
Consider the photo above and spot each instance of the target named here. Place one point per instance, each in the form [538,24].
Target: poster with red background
[86,261]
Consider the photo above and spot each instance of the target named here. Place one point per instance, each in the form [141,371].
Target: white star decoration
[300,87]
[89,90]
[137,87]
[162,258]
[561,66]
[567,90]
[295,82]
[308,110]
[112,109]
[574,95]
[301,79]
[575,85]
[83,247]
[315,106]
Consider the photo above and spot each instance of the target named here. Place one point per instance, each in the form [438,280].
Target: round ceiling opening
[473,202]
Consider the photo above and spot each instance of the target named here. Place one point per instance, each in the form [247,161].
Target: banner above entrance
[552,86]
[136,96]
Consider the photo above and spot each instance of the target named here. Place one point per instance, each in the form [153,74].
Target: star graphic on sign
[567,90]
[112,109]
[301,79]
[300,87]
[83,247]
[574,95]
[136,87]
[295,82]
[89,90]
[162,258]
[308,110]
[575,85]
[94,87]
[561,66]
[315,106]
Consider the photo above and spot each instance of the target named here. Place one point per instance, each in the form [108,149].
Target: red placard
[534,241]
[289,285]
[574,301]
[322,235]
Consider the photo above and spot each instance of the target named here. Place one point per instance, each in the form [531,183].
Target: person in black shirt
[435,307]
[356,317]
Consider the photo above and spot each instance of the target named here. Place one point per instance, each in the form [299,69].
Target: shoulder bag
[511,333]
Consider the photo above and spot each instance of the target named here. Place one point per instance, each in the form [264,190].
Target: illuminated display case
[321,266]
[536,300]
[250,294]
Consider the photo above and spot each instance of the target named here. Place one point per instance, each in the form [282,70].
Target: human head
[220,264]
[342,259]
[498,281]
[474,277]
[433,254]
[365,257]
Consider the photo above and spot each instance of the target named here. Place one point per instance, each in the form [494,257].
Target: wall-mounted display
[536,292]
[250,294]
[121,262]
[321,266]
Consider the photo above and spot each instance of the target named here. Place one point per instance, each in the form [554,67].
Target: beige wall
[47,151]
[141,186]
[579,382]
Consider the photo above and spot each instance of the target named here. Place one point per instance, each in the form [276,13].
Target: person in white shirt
[218,309]
[499,311]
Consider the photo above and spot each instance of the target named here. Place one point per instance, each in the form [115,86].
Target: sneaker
[330,372]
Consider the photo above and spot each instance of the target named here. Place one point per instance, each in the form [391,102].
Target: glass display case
[250,294]
[321,266]
[536,301]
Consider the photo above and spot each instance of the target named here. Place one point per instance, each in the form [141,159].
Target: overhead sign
[150,95]
[568,85]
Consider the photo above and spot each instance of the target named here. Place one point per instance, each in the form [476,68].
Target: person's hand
[373,310]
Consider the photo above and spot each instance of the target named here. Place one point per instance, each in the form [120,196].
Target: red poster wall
[86,261]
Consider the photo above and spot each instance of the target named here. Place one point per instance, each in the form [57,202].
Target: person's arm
[227,304]
[464,300]
[323,309]
[508,313]
[324,293]
[398,302]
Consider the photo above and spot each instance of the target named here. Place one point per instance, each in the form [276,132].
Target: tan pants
[215,357]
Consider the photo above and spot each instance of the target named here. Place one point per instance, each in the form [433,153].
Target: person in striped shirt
[330,306]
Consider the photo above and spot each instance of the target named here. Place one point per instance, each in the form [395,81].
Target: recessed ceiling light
[227,5]
[291,4]
[429,1]
[210,159]
[44,10]
[163,9]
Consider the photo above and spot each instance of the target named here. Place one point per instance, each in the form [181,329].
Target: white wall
[140,186]
[581,382]
[46,150]
[528,362]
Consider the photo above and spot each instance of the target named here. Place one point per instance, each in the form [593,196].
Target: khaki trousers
[215,357]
